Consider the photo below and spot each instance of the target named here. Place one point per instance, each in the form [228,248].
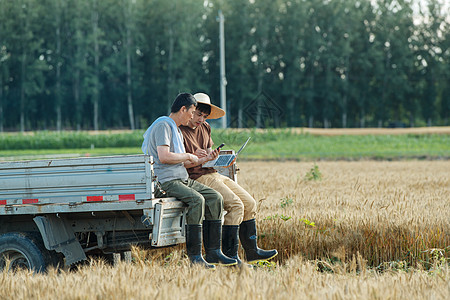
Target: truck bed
[74,181]
[88,205]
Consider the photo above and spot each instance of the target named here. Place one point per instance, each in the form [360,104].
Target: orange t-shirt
[198,138]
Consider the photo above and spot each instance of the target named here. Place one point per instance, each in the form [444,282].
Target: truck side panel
[76,180]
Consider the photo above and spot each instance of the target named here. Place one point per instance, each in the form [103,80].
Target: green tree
[119,63]
[431,61]
[4,58]
[364,62]
[292,57]
[27,64]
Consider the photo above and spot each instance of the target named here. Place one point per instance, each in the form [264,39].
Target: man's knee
[213,206]
[238,208]
[218,199]
[232,202]
[197,200]
[219,196]
[212,195]
[196,210]
[234,208]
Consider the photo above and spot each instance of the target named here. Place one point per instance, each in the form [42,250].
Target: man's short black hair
[204,108]
[183,99]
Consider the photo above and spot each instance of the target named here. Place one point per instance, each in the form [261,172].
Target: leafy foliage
[286,201]
[119,64]
[314,174]
[308,222]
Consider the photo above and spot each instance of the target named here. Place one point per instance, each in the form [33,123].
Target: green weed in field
[276,216]
[286,201]
[314,174]
[308,222]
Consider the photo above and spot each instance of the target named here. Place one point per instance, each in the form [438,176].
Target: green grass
[69,140]
[353,147]
[288,145]
[270,144]
[10,155]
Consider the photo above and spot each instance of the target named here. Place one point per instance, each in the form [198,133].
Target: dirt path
[374,131]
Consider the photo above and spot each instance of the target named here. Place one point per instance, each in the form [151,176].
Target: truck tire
[23,251]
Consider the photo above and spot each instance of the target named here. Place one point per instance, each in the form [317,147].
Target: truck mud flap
[59,236]
[168,219]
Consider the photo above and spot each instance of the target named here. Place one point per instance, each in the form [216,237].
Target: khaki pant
[237,202]
[201,200]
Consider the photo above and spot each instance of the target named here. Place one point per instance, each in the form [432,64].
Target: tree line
[102,64]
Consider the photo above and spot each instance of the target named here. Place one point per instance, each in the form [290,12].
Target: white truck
[56,212]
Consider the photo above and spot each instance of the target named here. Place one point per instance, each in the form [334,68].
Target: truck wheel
[22,251]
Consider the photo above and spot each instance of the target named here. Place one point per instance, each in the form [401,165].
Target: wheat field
[365,230]
[386,211]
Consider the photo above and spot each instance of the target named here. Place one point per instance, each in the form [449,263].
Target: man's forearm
[201,161]
[171,158]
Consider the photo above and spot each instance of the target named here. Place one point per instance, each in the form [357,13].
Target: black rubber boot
[194,245]
[248,237]
[212,236]
[230,241]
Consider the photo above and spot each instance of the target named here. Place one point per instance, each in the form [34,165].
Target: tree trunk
[290,104]
[327,96]
[58,72]
[362,120]
[311,121]
[345,96]
[96,92]
[76,96]
[240,121]
[411,120]
[382,108]
[129,85]
[1,99]
[170,79]
[79,57]
[258,107]
[264,41]
[2,79]
[22,92]
[130,95]
[310,100]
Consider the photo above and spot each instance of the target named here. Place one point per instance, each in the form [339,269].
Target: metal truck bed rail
[95,179]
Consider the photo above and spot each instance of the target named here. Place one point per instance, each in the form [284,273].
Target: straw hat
[216,112]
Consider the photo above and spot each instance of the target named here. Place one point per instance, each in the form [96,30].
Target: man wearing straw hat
[239,222]
[164,141]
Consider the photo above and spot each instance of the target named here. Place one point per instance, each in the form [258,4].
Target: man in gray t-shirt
[164,141]
[161,135]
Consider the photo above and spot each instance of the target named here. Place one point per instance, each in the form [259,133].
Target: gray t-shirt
[160,135]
